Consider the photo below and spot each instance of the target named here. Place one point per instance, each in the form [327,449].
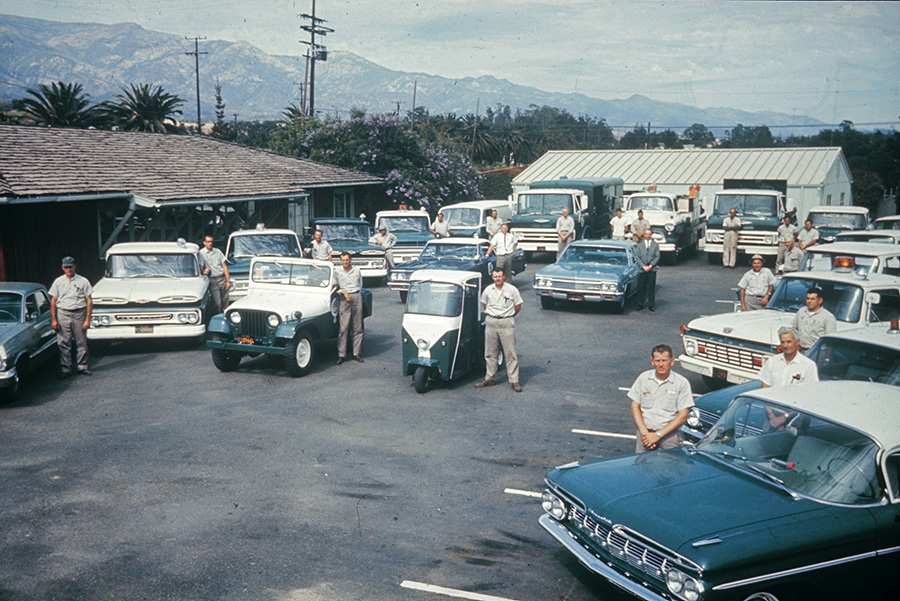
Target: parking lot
[161,478]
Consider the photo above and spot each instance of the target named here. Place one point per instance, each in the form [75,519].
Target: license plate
[542,248]
[720,374]
[576,297]
[143,329]
[245,339]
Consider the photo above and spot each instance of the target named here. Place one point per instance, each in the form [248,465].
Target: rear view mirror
[873,298]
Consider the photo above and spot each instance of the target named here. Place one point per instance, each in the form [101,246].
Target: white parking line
[610,434]
[524,493]
[450,592]
[726,302]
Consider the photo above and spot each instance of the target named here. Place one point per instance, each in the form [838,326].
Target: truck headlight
[234,317]
[669,227]
[553,505]
[273,321]
[769,240]
[690,347]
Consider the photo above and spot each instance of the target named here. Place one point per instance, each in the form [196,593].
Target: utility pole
[235,127]
[197,54]
[412,115]
[475,127]
[315,52]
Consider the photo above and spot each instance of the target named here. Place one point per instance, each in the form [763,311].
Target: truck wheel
[403,294]
[714,258]
[547,302]
[298,355]
[420,378]
[225,360]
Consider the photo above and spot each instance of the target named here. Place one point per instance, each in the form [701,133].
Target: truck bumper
[8,378]
[374,273]
[401,286]
[156,331]
[734,375]
[766,251]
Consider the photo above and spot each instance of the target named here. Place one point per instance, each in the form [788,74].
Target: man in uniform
[70,315]
[732,225]
[788,367]
[647,254]
[813,321]
[440,227]
[501,303]
[639,226]
[756,285]
[492,224]
[503,244]
[660,402]
[565,230]
[792,257]
[786,231]
[807,236]
[619,226]
[212,263]
[349,280]
[321,249]
[386,241]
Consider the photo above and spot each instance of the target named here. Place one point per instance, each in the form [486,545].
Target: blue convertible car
[591,271]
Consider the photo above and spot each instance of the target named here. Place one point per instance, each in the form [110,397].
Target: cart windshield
[435,298]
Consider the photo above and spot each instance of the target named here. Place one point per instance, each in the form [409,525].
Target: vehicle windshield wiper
[747,464]
[151,275]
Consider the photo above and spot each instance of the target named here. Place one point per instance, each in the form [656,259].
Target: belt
[72,310]
[504,317]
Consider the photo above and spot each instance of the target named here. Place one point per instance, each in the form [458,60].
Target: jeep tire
[299,354]
[223,359]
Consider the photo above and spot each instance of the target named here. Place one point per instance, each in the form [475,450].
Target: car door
[631,270]
[42,324]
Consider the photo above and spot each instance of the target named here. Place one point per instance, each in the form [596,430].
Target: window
[887,307]
[30,306]
[828,200]
[43,302]
[344,203]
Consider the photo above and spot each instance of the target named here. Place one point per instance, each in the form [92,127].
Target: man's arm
[743,303]
[647,437]
[54,323]
[87,316]
[677,421]
[518,308]
[227,275]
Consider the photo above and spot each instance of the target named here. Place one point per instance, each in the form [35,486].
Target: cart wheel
[420,378]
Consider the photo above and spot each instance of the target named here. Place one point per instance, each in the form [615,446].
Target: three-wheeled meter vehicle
[443,327]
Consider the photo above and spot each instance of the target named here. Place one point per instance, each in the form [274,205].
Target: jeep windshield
[839,221]
[450,251]
[275,272]
[261,245]
[435,298]
[10,307]
[758,205]
[408,223]
[842,299]
[597,256]
[650,203]
[796,452]
[462,217]
[152,266]
[842,359]
[544,204]
[344,231]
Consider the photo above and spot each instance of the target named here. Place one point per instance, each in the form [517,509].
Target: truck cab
[760,212]
[830,221]
[676,220]
[351,235]
[243,245]
[410,228]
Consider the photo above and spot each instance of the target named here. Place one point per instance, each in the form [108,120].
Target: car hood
[284,303]
[583,270]
[755,326]
[355,247]
[436,263]
[536,220]
[676,499]
[143,290]
[658,218]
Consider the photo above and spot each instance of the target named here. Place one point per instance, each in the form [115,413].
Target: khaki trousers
[71,335]
[671,441]
[505,263]
[729,249]
[497,333]
[350,315]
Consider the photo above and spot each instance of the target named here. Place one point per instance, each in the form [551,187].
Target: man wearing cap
[70,316]
[387,241]
[440,227]
[756,285]
[565,230]
[212,264]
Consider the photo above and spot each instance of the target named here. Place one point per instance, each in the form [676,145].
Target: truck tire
[420,379]
[299,354]
[225,360]
[403,294]
[547,302]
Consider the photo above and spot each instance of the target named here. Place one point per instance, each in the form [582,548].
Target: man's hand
[87,324]
[228,284]
[346,296]
[650,439]
[54,325]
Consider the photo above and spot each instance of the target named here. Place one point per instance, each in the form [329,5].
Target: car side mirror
[873,298]
[32,316]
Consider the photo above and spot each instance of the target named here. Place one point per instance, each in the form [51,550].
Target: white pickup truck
[676,221]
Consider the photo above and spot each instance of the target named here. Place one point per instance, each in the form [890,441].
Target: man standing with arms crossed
[70,315]
[212,263]
[501,303]
[350,315]
[660,402]
[565,230]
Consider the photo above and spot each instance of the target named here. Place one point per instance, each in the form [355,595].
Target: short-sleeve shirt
[661,401]
[503,243]
[348,281]
[792,260]
[812,326]
[806,237]
[492,225]
[71,295]
[730,224]
[618,225]
[639,226]
[501,302]
[564,225]
[777,372]
[757,283]
[786,231]
[321,250]
[441,227]
[212,259]
[387,241]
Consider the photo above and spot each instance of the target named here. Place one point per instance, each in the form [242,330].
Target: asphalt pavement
[161,478]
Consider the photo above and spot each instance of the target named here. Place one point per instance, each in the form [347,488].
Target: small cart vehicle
[443,327]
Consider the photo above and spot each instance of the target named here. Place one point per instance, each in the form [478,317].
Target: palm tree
[61,105]
[293,112]
[143,108]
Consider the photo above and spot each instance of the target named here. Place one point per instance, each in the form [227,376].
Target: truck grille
[543,236]
[755,238]
[253,323]
[142,317]
[734,356]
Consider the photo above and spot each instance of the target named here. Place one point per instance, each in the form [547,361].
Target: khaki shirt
[639,226]
[71,295]
[386,241]
[501,302]
[348,281]
[564,225]
[812,326]
[786,231]
[792,260]
[660,401]
[492,225]
[806,237]
[757,283]
[212,259]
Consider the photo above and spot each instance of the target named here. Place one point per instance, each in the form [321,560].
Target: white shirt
[776,371]
[441,227]
[321,250]
[660,401]
[71,295]
[618,225]
[348,281]
[212,259]
[501,302]
[386,240]
[503,244]
[756,283]
[492,225]
[564,225]
[807,237]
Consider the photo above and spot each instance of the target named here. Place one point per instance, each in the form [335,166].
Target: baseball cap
[68,262]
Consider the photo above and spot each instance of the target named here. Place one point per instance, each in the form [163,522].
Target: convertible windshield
[843,300]
[842,221]
[651,203]
[278,245]
[758,205]
[275,272]
[840,359]
[450,251]
[462,217]
[10,307]
[344,231]
[435,298]
[591,254]
[796,451]
[410,223]
[544,204]
[151,266]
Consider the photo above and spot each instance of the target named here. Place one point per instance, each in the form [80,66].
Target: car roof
[336,220]
[889,218]
[829,209]
[856,248]
[875,333]
[457,241]
[255,232]
[403,213]
[129,248]
[476,204]
[865,406]
[443,275]
[887,235]
[867,281]
[20,287]
[607,243]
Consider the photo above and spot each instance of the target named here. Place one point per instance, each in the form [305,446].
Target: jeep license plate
[245,339]
[720,374]
[143,329]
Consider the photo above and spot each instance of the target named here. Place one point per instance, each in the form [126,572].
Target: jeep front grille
[253,323]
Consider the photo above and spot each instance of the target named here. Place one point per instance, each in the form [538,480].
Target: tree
[61,105]
[221,129]
[143,108]
[293,112]
[698,135]
[750,137]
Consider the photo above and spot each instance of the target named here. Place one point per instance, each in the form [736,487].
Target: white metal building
[814,176]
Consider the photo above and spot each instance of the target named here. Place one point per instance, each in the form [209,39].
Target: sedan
[26,339]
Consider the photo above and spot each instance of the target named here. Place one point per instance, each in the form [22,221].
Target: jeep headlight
[553,505]
[684,586]
[273,320]
[693,419]
[234,317]
[690,347]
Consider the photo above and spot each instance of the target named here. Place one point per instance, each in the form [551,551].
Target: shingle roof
[709,166]
[38,161]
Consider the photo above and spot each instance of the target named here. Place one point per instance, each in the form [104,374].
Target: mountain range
[257,85]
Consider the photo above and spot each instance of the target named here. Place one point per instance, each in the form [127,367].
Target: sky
[833,61]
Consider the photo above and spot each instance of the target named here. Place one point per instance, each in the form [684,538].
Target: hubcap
[303,352]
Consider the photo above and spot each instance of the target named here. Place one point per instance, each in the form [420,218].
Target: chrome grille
[757,238]
[707,418]
[130,317]
[253,323]
[544,236]
[735,356]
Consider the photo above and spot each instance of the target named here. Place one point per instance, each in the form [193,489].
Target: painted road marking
[450,592]
[725,302]
[524,493]
[610,434]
